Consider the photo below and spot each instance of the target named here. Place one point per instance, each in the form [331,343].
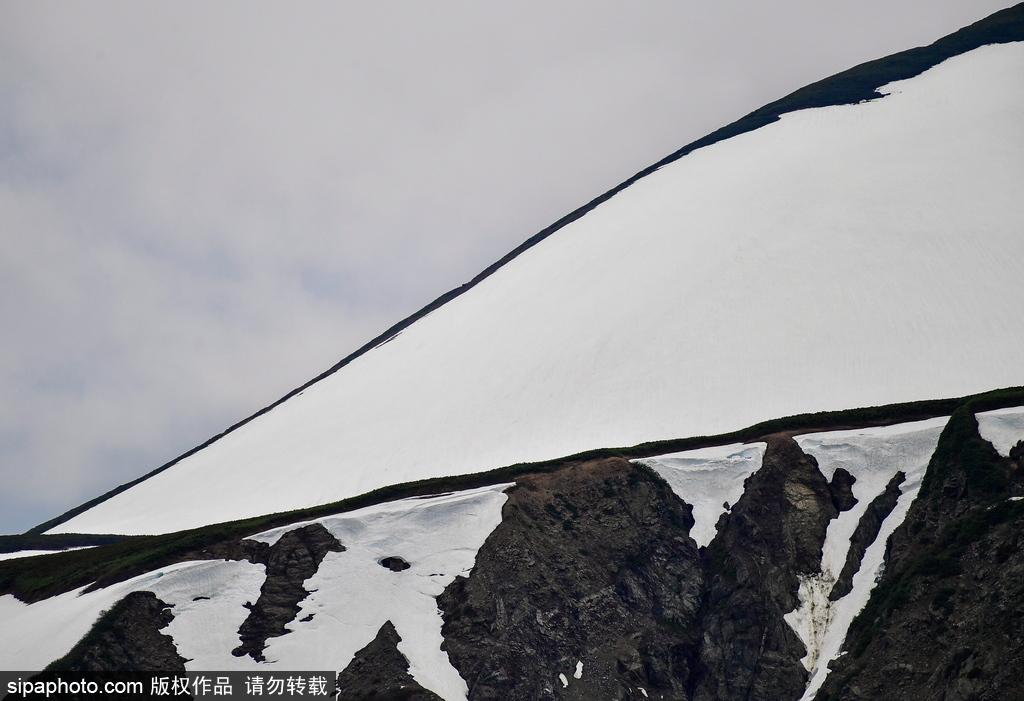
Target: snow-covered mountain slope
[848,255]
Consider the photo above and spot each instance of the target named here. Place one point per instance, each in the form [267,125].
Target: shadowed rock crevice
[864,535]
[291,561]
[593,564]
[771,537]
[379,672]
[127,637]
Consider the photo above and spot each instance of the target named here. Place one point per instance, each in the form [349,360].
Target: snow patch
[873,456]
[353,596]
[708,479]
[33,553]
[563,679]
[1002,428]
[578,674]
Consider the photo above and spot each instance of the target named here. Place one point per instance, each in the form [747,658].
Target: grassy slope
[35,578]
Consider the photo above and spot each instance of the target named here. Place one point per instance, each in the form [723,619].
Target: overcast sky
[202,205]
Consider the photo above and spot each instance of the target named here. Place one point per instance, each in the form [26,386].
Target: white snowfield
[1003,428]
[873,456]
[353,595]
[844,256]
[33,553]
[707,479]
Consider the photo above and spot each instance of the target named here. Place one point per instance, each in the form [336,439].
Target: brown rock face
[773,534]
[592,563]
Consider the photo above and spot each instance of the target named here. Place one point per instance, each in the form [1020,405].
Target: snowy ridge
[353,595]
[708,479]
[1003,428]
[911,201]
[873,456]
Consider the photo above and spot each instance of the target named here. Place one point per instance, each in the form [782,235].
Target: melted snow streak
[873,456]
[707,479]
[1003,428]
[842,256]
[352,595]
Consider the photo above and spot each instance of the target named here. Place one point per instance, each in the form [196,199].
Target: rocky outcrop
[771,537]
[293,559]
[946,621]
[841,487]
[379,672]
[127,637]
[864,535]
[589,588]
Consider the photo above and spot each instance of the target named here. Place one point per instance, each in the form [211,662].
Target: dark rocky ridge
[591,563]
[127,637]
[379,672]
[605,572]
[946,621]
[773,534]
[864,535]
[293,559]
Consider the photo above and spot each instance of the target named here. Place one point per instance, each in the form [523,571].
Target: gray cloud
[203,205]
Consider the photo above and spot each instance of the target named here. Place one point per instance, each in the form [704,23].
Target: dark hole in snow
[201,598]
[394,563]
[307,619]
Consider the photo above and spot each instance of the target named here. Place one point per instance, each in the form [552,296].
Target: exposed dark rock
[127,637]
[842,490]
[946,621]
[864,535]
[590,563]
[394,563]
[292,560]
[379,672]
[772,534]
[1017,452]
